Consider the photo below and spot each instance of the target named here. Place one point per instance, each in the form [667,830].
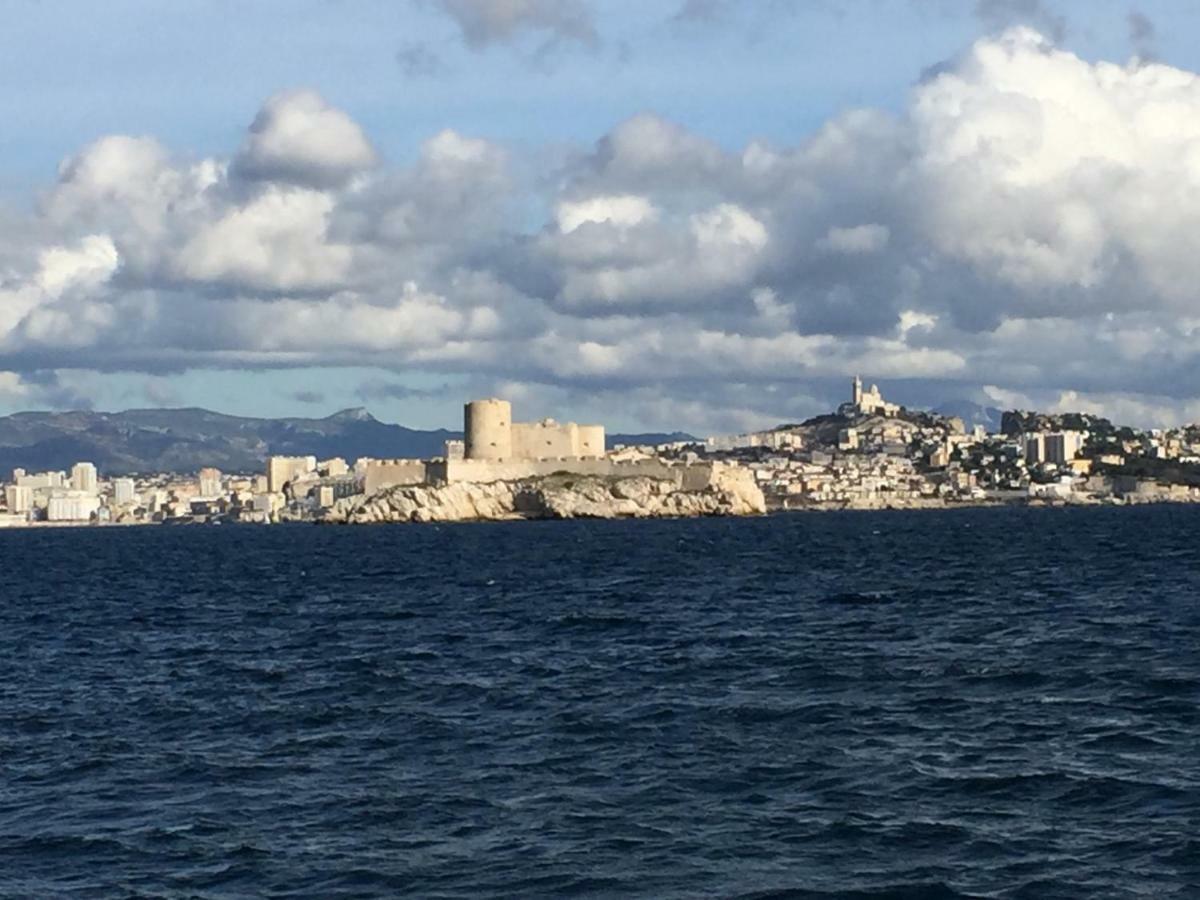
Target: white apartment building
[40,480]
[84,478]
[18,498]
[124,491]
[72,506]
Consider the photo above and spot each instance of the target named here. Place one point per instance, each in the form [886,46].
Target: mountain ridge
[185,439]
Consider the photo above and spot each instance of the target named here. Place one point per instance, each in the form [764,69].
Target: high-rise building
[18,498]
[123,491]
[1035,448]
[210,483]
[84,478]
[1059,447]
[1063,446]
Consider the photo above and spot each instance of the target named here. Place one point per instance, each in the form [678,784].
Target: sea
[988,703]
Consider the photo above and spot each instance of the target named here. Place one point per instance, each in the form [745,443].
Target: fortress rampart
[380,473]
[498,449]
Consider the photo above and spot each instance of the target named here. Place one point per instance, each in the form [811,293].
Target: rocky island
[732,492]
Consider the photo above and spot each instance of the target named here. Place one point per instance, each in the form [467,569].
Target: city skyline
[871,453]
[397,205]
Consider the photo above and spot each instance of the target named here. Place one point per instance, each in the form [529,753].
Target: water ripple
[882,706]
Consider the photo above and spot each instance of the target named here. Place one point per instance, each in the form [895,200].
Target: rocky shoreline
[552,497]
[876,505]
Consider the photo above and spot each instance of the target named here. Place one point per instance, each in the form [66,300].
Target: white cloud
[728,225]
[621,210]
[298,138]
[89,265]
[276,242]
[1046,171]
[1027,227]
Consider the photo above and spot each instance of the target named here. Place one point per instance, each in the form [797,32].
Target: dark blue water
[891,705]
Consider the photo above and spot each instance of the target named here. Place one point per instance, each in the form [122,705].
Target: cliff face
[732,493]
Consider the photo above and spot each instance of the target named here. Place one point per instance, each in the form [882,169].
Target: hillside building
[868,402]
[1059,447]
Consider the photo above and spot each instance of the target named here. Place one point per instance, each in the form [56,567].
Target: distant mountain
[185,440]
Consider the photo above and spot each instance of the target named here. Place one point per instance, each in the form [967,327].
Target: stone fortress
[492,435]
[496,448]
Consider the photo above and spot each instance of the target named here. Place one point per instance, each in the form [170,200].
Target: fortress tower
[488,429]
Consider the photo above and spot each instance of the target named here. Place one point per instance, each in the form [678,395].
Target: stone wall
[381,473]
[544,440]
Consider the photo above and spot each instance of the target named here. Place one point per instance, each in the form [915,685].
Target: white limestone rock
[732,492]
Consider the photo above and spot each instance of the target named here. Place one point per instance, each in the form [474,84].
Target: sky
[705,215]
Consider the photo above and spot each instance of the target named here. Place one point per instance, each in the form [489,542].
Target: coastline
[530,515]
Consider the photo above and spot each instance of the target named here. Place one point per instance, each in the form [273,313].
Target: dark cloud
[1142,35]
[312,398]
[419,60]
[700,11]
[381,389]
[997,14]
[484,23]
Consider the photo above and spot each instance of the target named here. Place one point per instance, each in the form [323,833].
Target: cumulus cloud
[298,138]
[277,241]
[1028,226]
